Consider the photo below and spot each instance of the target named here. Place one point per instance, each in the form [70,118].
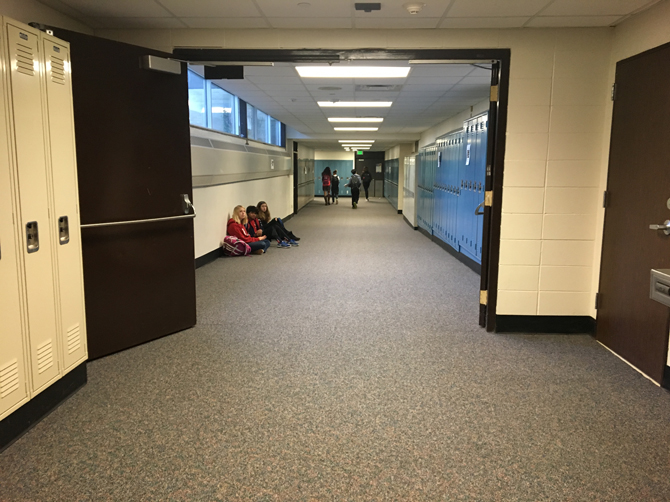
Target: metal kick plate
[659,288]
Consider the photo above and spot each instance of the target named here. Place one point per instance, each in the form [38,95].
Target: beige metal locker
[63,178]
[13,385]
[22,44]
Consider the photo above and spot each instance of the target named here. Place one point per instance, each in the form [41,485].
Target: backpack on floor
[232,246]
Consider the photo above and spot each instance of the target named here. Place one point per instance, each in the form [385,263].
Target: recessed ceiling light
[355,119]
[352,71]
[356,128]
[355,104]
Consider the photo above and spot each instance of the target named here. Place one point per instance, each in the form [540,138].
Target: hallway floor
[350,368]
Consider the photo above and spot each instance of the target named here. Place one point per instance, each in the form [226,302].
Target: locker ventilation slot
[45,356]
[24,60]
[57,70]
[9,378]
[73,339]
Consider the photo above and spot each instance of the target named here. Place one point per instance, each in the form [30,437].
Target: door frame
[495,156]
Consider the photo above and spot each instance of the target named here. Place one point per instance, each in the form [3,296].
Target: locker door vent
[57,70]
[45,356]
[24,60]
[73,338]
[9,378]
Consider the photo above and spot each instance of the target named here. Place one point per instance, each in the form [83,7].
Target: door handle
[482,205]
[665,227]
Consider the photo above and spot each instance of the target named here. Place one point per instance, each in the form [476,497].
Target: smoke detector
[414,8]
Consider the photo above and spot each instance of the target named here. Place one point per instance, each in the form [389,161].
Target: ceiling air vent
[378,87]
[368,7]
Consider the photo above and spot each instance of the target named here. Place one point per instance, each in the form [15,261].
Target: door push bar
[188,206]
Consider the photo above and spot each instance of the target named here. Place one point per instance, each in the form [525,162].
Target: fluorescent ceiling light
[355,104]
[356,140]
[355,119]
[356,128]
[364,148]
[356,144]
[352,71]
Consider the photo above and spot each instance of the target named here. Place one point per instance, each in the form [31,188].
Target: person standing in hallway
[236,228]
[335,188]
[366,178]
[355,185]
[325,182]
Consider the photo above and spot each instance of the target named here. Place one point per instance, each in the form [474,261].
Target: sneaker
[283,244]
[293,243]
[258,251]
[355,205]
[295,238]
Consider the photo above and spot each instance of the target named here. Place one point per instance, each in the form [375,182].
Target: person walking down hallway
[366,178]
[325,182]
[335,188]
[355,185]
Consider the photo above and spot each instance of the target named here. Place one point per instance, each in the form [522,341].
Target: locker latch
[32,237]
[488,198]
[483,297]
[63,230]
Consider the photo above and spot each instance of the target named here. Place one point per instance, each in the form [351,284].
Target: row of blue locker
[391,175]
[451,187]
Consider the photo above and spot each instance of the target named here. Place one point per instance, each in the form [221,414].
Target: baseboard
[666,378]
[545,324]
[465,260]
[409,222]
[425,232]
[208,258]
[399,211]
[28,415]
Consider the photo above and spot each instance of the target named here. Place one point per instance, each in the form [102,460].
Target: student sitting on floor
[236,228]
[256,228]
[264,216]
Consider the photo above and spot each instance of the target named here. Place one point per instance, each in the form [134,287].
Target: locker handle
[477,209]
[32,237]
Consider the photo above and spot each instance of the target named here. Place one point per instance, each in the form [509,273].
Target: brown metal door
[134,165]
[638,187]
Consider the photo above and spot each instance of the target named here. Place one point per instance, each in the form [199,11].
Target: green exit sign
[359,152]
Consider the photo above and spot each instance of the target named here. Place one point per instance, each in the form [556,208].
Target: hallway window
[213,107]
[224,110]
[197,100]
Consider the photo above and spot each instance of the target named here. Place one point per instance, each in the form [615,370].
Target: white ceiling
[427,96]
[324,14]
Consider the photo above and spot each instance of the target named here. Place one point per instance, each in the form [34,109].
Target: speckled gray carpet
[350,368]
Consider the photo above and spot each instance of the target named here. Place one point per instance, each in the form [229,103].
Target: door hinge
[494,93]
[597,302]
[613,91]
[606,197]
[483,297]
[488,198]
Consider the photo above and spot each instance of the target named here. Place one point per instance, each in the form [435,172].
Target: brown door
[134,166]
[638,187]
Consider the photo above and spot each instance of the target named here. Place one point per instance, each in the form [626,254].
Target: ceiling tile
[483,22]
[593,7]
[140,22]
[395,23]
[496,8]
[118,8]
[210,8]
[225,22]
[294,23]
[316,9]
[573,22]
